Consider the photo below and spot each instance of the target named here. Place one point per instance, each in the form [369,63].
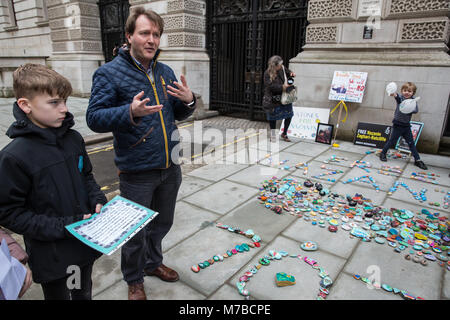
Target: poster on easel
[304,122]
[416,130]
[348,86]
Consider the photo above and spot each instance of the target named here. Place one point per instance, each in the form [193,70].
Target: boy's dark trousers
[155,189]
[59,289]
[405,132]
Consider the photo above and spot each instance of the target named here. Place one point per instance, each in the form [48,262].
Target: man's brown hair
[410,85]
[31,79]
[130,25]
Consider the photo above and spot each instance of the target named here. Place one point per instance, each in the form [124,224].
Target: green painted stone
[245,247]
[282,279]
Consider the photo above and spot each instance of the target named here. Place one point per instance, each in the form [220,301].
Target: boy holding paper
[47,183]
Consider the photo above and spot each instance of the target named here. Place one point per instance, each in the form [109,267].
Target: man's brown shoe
[164,273]
[136,292]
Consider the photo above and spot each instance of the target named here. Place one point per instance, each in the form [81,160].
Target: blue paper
[119,220]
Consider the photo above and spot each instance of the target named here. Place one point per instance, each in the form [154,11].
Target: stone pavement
[227,191]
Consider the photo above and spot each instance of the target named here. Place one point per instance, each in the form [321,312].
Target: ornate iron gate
[241,36]
[113,15]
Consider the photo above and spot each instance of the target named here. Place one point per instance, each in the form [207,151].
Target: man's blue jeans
[155,189]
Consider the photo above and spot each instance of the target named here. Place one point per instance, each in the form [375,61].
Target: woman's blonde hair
[272,63]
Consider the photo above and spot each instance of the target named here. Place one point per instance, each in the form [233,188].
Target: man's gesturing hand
[139,109]
[183,92]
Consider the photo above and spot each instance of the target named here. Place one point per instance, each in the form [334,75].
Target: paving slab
[349,157]
[216,172]
[269,224]
[338,243]
[351,147]
[440,174]
[284,160]
[376,163]
[384,182]
[390,267]
[222,196]
[256,174]
[307,148]
[188,220]
[316,168]
[347,288]
[202,246]
[368,192]
[431,195]
[190,185]
[262,285]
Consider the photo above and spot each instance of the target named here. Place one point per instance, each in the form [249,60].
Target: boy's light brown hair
[31,80]
[410,85]
[130,25]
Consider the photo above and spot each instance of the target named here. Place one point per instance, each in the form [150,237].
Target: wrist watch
[190,104]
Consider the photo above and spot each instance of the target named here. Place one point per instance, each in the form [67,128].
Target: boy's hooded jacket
[140,144]
[47,184]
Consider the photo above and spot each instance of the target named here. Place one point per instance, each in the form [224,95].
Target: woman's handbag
[289,95]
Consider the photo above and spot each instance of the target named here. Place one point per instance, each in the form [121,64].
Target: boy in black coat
[47,183]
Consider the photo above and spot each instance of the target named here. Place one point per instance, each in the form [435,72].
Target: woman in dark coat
[274,85]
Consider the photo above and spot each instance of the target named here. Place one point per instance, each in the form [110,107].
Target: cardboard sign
[348,86]
[305,120]
[372,135]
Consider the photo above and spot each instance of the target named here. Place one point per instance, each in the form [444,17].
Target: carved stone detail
[185,40]
[185,22]
[425,31]
[185,5]
[322,9]
[412,6]
[321,34]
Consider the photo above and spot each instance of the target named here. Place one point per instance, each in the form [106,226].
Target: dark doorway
[241,37]
[113,15]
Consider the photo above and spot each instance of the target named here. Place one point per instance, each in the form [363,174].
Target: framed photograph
[324,133]
[416,129]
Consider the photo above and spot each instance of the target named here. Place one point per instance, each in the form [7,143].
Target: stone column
[183,42]
[408,42]
[76,41]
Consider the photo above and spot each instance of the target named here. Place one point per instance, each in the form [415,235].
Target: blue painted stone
[429,257]
[395,290]
[380,240]
[386,287]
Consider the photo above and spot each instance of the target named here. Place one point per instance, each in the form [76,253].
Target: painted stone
[282,279]
[245,247]
[386,287]
[195,268]
[429,257]
[241,288]
[220,257]
[202,265]
[264,261]
[249,233]
[216,258]
[326,282]
[380,240]
[309,246]
[206,264]
[420,236]
[243,279]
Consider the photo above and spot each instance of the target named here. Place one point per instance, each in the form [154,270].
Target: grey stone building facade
[407,41]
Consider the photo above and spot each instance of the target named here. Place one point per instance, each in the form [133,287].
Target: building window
[12,17]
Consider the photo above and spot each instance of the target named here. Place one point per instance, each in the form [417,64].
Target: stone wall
[409,43]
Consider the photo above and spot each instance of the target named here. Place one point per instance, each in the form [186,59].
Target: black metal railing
[241,37]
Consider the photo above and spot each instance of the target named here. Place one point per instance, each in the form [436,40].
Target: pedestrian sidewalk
[227,191]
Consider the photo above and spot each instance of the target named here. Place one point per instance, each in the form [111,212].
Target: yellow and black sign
[372,135]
